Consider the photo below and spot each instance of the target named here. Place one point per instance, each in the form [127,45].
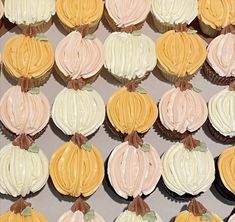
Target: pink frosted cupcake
[77,57]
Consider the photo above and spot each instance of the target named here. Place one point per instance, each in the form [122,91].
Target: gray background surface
[105,201]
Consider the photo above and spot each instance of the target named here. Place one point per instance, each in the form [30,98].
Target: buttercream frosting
[1,11]
[126,13]
[175,11]
[22,171]
[217,13]
[222,112]
[187,172]
[182,111]
[84,173]
[78,57]
[75,13]
[221,55]
[129,56]
[226,165]
[180,53]
[131,111]
[232,218]
[132,171]
[78,111]
[24,56]
[24,112]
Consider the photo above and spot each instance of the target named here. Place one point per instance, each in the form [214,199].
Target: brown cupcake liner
[209,73]
[219,137]
[206,29]
[114,26]
[162,27]
[125,81]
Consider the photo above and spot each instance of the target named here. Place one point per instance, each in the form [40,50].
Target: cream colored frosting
[182,110]
[175,11]
[24,112]
[185,171]
[127,12]
[132,217]
[21,171]
[232,218]
[78,111]
[78,57]
[222,112]
[1,9]
[221,55]
[129,56]
[133,172]
[78,216]
[29,11]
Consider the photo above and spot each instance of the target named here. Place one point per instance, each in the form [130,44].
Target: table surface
[105,201]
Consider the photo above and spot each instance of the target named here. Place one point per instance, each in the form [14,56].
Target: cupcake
[138,211]
[221,115]
[126,16]
[78,109]
[129,56]
[83,168]
[225,173]
[30,15]
[21,211]
[232,217]
[180,54]
[219,67]
[167,14]
[24,167]
[81,212]
[78,57]
[214,15]
[27,57]
[197,212]
[24,112]
[80,14]
[188,168]
[182,111]
[136,158]
[131,109]
[1,11]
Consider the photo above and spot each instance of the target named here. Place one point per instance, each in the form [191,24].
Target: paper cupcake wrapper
[162,27]
[213,77]
[125,81]
[206,29]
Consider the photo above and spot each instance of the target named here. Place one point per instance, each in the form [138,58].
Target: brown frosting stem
[79,139]
[139,206]
[190,143]
[19,206]
[80,205]
[76,84]
[23,141]
[232,86]
[129,29]
[196,208]
[131,86]
[26,84]
[181,27]
[183,85]
[134,139]
[228,29]
[83,29]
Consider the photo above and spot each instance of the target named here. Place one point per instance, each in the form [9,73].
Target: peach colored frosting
[221,55]
[182,110]
[78,57]
[232,218]
[128,12]
[24,112]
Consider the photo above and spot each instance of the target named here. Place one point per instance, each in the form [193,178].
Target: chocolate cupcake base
[161,26]
[213,77]
[206,29]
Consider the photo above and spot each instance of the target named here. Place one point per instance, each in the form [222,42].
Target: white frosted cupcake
[232,217]
[168,13]
[1,11]
[129,56]
[24,167]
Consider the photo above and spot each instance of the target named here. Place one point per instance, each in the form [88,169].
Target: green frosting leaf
[195,89]
[26,212]
[150,216]
[33,148]
[206,216]
[87,87]
[41,37]
[87,147]
[34,90]
[136,33]
[89,215]
[191,31]
[141,90]
[201,148]
[90,37]
[145,147]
